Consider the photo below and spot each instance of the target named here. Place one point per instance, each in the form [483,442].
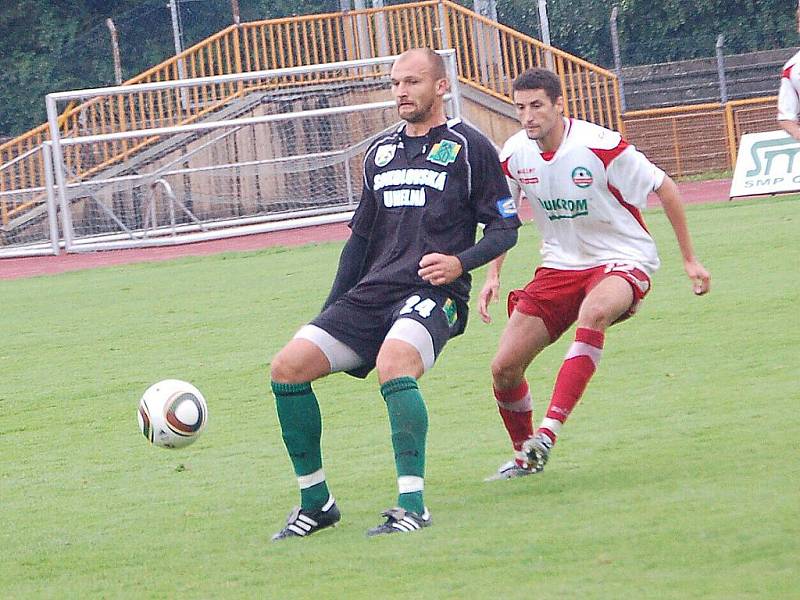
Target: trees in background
[51,46]
[663,31]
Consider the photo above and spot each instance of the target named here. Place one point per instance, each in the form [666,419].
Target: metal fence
[690,140]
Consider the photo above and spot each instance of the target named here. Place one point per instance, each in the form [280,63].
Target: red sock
[516,409]
[576,371]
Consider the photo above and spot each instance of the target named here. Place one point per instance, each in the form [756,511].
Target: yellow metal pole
[620,120]
[237,50]
[730,130]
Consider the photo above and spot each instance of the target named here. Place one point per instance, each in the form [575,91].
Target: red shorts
[555,295]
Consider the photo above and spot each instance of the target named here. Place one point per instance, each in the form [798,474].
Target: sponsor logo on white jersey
[559,208]
[384,154]
[527,175]
[582,177]
[427,177]
[396,198]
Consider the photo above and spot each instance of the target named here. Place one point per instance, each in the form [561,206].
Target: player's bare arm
[791,127]
[490,292]
[673,207]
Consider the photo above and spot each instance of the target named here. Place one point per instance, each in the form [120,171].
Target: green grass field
[677,476]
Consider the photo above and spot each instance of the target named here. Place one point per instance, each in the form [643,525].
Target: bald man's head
[419,84]
[435,63]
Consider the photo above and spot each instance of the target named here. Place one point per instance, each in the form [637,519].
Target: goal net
[188,160]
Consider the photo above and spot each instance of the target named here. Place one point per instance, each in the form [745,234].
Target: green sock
[301,425]
[408,418]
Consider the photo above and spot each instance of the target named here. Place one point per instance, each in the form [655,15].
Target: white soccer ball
[172,413]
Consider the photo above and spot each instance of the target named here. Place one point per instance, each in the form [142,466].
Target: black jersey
[422,196]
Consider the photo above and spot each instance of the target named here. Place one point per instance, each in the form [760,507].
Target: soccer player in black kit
[401,288]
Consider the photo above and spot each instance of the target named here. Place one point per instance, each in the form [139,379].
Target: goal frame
[197,231]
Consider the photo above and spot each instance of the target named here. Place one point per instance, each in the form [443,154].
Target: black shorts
[363,327]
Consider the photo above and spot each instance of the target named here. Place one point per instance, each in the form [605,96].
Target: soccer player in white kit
[587,186]
[789,94]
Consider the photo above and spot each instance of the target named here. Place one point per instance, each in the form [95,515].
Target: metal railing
[489,56]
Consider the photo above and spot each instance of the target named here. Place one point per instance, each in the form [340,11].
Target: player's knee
[286,369]
[505,374]
[391,365]
[595,316]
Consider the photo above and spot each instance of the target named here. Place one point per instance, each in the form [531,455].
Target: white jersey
[586,196]
[789,92]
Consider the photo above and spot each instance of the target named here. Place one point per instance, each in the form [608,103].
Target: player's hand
[489,293]
[701,279]
[439,269]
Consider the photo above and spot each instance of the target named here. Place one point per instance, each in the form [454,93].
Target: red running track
[15,268]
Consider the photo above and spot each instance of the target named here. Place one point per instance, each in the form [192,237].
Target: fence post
[348,31]
[444,28]
[617,58]
[364,49]
[723,88]
[115,51]
[177,34]
[380,29]
[544,26]
[237,46]
[176,38]
[235,11]
[487,40]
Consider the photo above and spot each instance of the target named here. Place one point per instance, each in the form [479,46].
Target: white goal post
[198,159]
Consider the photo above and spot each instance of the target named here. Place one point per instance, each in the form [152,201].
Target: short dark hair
[539,79]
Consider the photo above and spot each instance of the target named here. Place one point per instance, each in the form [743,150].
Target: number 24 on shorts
[415,303]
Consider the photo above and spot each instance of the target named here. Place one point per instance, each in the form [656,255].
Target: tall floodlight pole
[617,58]
[544,27]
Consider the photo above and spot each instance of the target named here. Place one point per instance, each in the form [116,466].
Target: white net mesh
[308,159]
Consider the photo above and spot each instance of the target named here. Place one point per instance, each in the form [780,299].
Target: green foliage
[683,29]
[49,47]
[580,28]
[652,32]
[53,46]
[675,478]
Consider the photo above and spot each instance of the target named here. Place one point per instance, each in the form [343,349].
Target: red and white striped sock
[579,365]
[516,409]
